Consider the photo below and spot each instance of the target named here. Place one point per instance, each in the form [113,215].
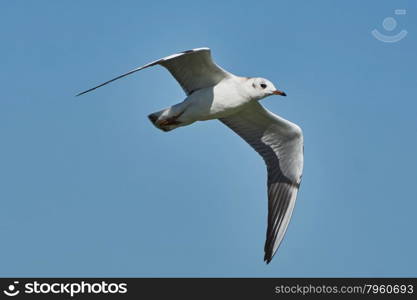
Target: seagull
[214,93]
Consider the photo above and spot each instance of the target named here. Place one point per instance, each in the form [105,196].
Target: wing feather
[193,69]
[280,143]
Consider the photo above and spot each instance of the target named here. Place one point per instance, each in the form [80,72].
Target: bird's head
[260,88]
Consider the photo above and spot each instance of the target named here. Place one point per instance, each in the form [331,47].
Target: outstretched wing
[193,69]
[280,143]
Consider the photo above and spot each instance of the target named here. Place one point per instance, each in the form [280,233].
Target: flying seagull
[213,93]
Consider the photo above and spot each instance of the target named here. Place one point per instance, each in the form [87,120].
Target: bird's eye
[263,85]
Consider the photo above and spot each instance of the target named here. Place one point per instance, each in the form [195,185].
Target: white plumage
[213,93]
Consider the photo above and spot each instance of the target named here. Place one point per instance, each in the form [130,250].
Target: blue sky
[90,188]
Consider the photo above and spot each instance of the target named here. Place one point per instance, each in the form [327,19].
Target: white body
[224,99]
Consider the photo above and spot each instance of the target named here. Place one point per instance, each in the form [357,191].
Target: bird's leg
[169,121]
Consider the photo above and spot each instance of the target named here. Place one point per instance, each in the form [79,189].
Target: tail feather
[155,117]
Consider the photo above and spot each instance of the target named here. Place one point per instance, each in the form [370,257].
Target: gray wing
[280,143]
[193,69]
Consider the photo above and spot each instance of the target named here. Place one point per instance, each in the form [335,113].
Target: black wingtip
[268,257]
[267,260]
[82,93]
